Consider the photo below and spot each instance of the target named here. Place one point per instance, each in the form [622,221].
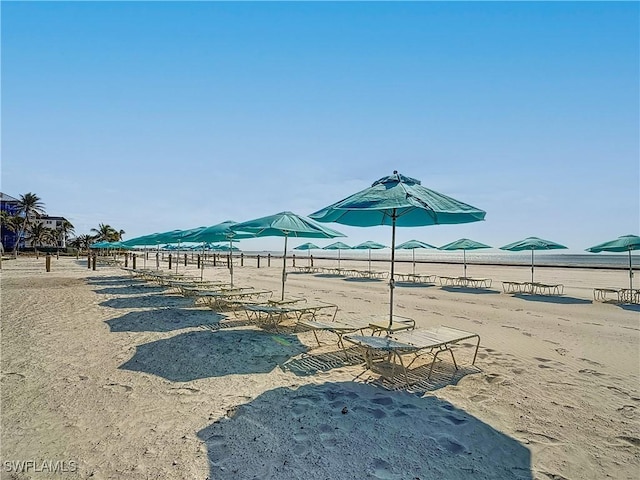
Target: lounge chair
[416,342]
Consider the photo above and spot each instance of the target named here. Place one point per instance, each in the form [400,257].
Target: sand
[113,378]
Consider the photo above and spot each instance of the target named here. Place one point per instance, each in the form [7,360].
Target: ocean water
[601,260]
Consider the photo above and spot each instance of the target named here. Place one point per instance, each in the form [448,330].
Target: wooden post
[293,259]
[133,261]
[126,260]
[268,260]
[242,259]
[47,262]
[89,261]
[93,262]
[198,261]
[215,255]
[258,260]
[185,259]
[311,258]
[170,261]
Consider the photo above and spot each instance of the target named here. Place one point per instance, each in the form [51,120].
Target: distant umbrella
[369,245]
[220,232]
[464,244]
[285,224]
[412,245]
[401,201]
[625,243]
[308,247]
[337,246]
[532,243]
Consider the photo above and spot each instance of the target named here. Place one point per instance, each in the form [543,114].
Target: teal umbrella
[285,224]
[625,243]
[308,247]
[220,232]
[369,245]
[398,201]
[337,246]
[412,245]
[464,244]
[532,243]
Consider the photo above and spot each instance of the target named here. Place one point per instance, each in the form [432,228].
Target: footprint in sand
[591,362]
[451,445]
[554,476]
[184,390]
[534,437]
[117,387]
[588,371]
[493,378]
[12,376]
[518,371]
[455,420]
[479,398]
[627,411]
[630,440]
[386,401]
[561,351]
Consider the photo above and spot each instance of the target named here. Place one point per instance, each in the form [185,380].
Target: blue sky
[153,116]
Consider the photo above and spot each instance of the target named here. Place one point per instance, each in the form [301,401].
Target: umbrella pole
[393,258]
[284,266]
[202,264]
[145,258]
[231,259]
[532,266]
[630,273]
[413,251]
[339,259]
[309,257]
[464,260]
[369,260]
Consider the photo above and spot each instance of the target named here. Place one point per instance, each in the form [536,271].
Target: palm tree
[104,232]
[39,235]
[66,229]
[82,242]
[29,205]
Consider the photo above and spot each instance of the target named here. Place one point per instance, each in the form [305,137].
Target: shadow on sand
[135,289]
[553,299]
[204,354]
[148,301]
[163,320]
[356,430]
[480,291]
[630,307]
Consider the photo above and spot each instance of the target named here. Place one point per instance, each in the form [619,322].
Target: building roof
[7,198]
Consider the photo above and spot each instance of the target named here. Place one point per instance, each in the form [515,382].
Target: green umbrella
[464,244]
[337,246]
[369,245]
[285,224]
[308,247]
[220,232]
[532,243]
[625,243]
[412,245]
[398,201]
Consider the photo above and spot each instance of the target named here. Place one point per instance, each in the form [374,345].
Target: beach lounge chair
[417,342]
[272,314]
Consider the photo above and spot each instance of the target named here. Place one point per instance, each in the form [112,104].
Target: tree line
[23,222]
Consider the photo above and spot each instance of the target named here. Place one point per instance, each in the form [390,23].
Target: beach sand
[115,379]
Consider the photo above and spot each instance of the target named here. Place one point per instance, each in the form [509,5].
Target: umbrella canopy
[401,201]
[369,245]
[621,244]
[412,245]
[533,244]
[337,246]
[151,239]
[285,224]
[464,244]
[308,247]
